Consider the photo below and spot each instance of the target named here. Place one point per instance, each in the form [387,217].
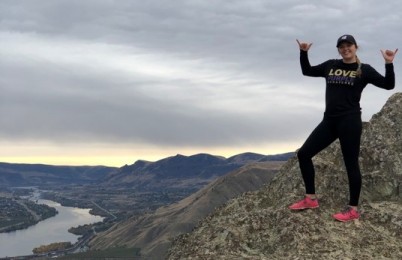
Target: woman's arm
[307,69]
[387,82]
[375,78]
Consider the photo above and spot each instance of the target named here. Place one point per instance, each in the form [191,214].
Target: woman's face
[347,51]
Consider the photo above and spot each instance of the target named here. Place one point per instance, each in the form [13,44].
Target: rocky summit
[258,225]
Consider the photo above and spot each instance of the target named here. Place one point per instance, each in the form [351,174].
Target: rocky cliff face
[258,224]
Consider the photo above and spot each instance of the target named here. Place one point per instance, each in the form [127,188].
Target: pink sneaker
[306,203]
[347,214]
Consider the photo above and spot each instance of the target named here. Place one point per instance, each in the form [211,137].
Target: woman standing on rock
[345,80]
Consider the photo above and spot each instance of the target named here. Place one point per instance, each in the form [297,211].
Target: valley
[115,204]
[127,194]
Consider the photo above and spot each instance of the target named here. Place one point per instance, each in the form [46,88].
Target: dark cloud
[177,73]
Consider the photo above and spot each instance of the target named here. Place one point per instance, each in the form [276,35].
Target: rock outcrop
[258,225]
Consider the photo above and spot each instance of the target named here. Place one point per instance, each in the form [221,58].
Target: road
[103,209]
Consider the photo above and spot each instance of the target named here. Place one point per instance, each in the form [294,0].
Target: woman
[345,80]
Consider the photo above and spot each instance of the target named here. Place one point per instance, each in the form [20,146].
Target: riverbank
[17,213]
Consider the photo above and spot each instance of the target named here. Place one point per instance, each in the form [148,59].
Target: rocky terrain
[153,233]
[258,225]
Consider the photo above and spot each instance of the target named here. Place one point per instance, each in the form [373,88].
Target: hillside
[258,225]
[153,233]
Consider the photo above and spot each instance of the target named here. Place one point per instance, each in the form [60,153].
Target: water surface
[51,230]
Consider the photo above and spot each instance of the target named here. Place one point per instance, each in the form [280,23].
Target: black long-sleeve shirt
[343,86]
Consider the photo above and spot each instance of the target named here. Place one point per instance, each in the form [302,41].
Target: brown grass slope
[154,233]
[258,224]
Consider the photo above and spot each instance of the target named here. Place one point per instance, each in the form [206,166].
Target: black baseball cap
[346,38]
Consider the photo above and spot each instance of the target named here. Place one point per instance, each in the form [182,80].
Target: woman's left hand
[389,55]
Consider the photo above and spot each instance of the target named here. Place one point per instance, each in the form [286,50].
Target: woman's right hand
[304,46]
[389,55]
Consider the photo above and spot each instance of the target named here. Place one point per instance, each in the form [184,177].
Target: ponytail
[359,67]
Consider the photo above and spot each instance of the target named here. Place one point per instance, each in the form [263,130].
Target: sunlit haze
[111,155]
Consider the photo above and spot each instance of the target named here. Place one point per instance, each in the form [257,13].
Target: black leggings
[348,129]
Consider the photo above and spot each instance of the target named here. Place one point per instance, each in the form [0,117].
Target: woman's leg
[322,136]
[350,130]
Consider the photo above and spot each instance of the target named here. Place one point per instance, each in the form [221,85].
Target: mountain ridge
[193,171]
[37,174]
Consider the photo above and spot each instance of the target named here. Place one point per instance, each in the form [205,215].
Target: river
[51,230]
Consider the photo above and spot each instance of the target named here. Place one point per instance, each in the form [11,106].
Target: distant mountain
[277,157]
[244,158]
[12,174]
[153,233]
[180,171]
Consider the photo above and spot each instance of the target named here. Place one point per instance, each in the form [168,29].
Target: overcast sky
[109,82]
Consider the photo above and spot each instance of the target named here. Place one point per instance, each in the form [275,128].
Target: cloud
[177,73]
